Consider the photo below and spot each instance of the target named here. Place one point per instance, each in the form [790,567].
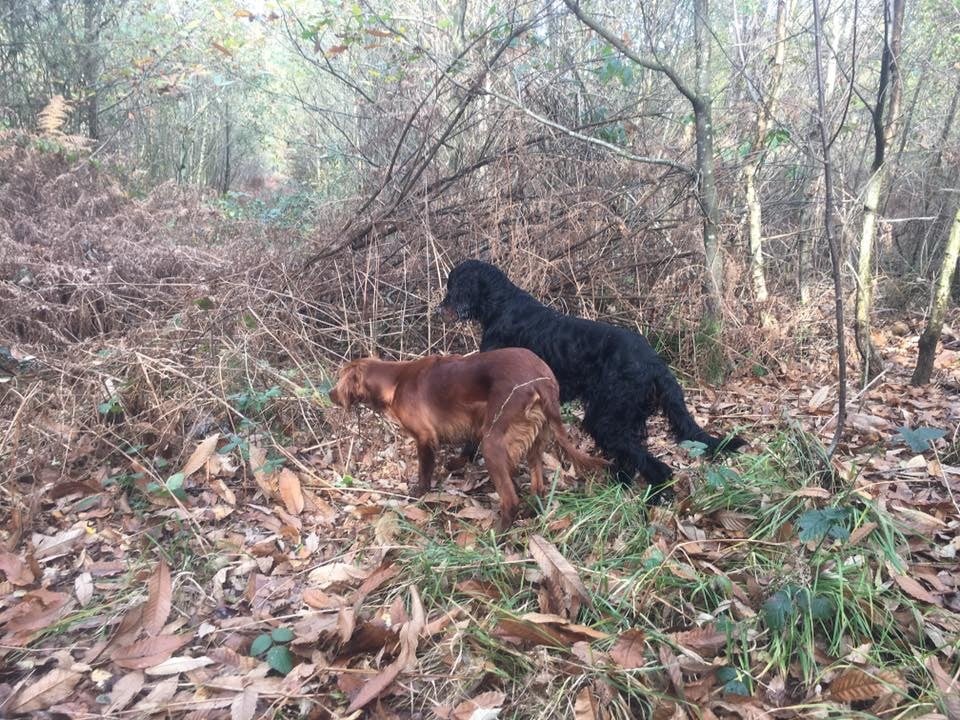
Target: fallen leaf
[54,687]
[290,491]
[50,545]
[16,570]
[200,456]
[530,633]
[258,459]
[479,589]
[124,690]
[159,599]
[819,397]
[409,638]
[149,651]
[484,706]
[912,587]
[948,686]
[244,705]
[585,706]
[706,640]
[565,589]
[83,588]
[629,651]
[733,521]
[336,572]
[159,697]
[386,529]
[176,665]
[856,684]
[670,664]
[861,532]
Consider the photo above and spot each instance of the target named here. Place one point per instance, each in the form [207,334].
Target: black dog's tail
[682,424]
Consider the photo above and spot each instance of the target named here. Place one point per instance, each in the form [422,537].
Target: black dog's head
[472,288]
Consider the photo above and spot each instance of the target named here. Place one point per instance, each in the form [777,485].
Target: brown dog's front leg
[428,459]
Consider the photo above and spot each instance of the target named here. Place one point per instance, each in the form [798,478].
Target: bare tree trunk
[225,183]
[889,93]
[764,113]
[91,66]
[703,118]
[831,233]
[931,335]
[807,238]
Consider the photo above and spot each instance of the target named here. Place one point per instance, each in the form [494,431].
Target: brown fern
[52,118]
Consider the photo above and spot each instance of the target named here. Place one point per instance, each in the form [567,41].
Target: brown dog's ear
[349,389]
[355,385]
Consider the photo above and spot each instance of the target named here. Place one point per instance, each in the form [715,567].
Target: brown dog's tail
[583,462]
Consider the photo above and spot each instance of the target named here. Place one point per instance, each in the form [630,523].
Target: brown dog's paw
[416,489]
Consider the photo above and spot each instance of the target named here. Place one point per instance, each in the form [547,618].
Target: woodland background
[205,207]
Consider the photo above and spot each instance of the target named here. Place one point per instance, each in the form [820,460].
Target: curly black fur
[615,372]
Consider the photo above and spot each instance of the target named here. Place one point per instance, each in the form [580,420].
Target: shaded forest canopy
[207,206]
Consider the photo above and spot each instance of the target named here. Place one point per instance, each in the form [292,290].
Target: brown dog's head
[359,382]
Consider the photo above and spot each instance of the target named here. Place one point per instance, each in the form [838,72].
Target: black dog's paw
[660,495]
[725,446]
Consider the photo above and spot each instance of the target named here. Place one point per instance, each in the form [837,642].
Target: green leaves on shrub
[818,524]
[694,447]
[280,659]
[778,609]
[274,644]
[261,644]
[790,603]
[718,477]
[735,681]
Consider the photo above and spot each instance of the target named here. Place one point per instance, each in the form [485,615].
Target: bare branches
[831,234]
[603,32]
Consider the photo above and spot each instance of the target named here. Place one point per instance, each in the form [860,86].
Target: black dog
[614,371]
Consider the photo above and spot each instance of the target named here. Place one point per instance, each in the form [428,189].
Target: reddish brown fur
[506,400]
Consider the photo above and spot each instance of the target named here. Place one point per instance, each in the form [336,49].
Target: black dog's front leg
[467,455]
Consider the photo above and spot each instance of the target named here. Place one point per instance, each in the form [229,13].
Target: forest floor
[195,533]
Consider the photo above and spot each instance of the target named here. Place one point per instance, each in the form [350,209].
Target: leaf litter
[172,507]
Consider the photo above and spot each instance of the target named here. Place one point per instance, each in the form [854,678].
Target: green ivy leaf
[261,644]
[822,608]
[719,477]
[174,485]
[734,680]
[921,439]
[694,447]
[280,659]
[777,609]
[817,524]
[282,635]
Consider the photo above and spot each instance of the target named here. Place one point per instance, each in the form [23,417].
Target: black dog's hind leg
[622,441]
[681,421]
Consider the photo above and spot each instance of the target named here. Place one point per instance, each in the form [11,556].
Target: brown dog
[506,400]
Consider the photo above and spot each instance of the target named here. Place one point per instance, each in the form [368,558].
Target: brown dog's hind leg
[535,463]
[495,456]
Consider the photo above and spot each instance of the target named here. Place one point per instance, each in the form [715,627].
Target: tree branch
[603,32]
